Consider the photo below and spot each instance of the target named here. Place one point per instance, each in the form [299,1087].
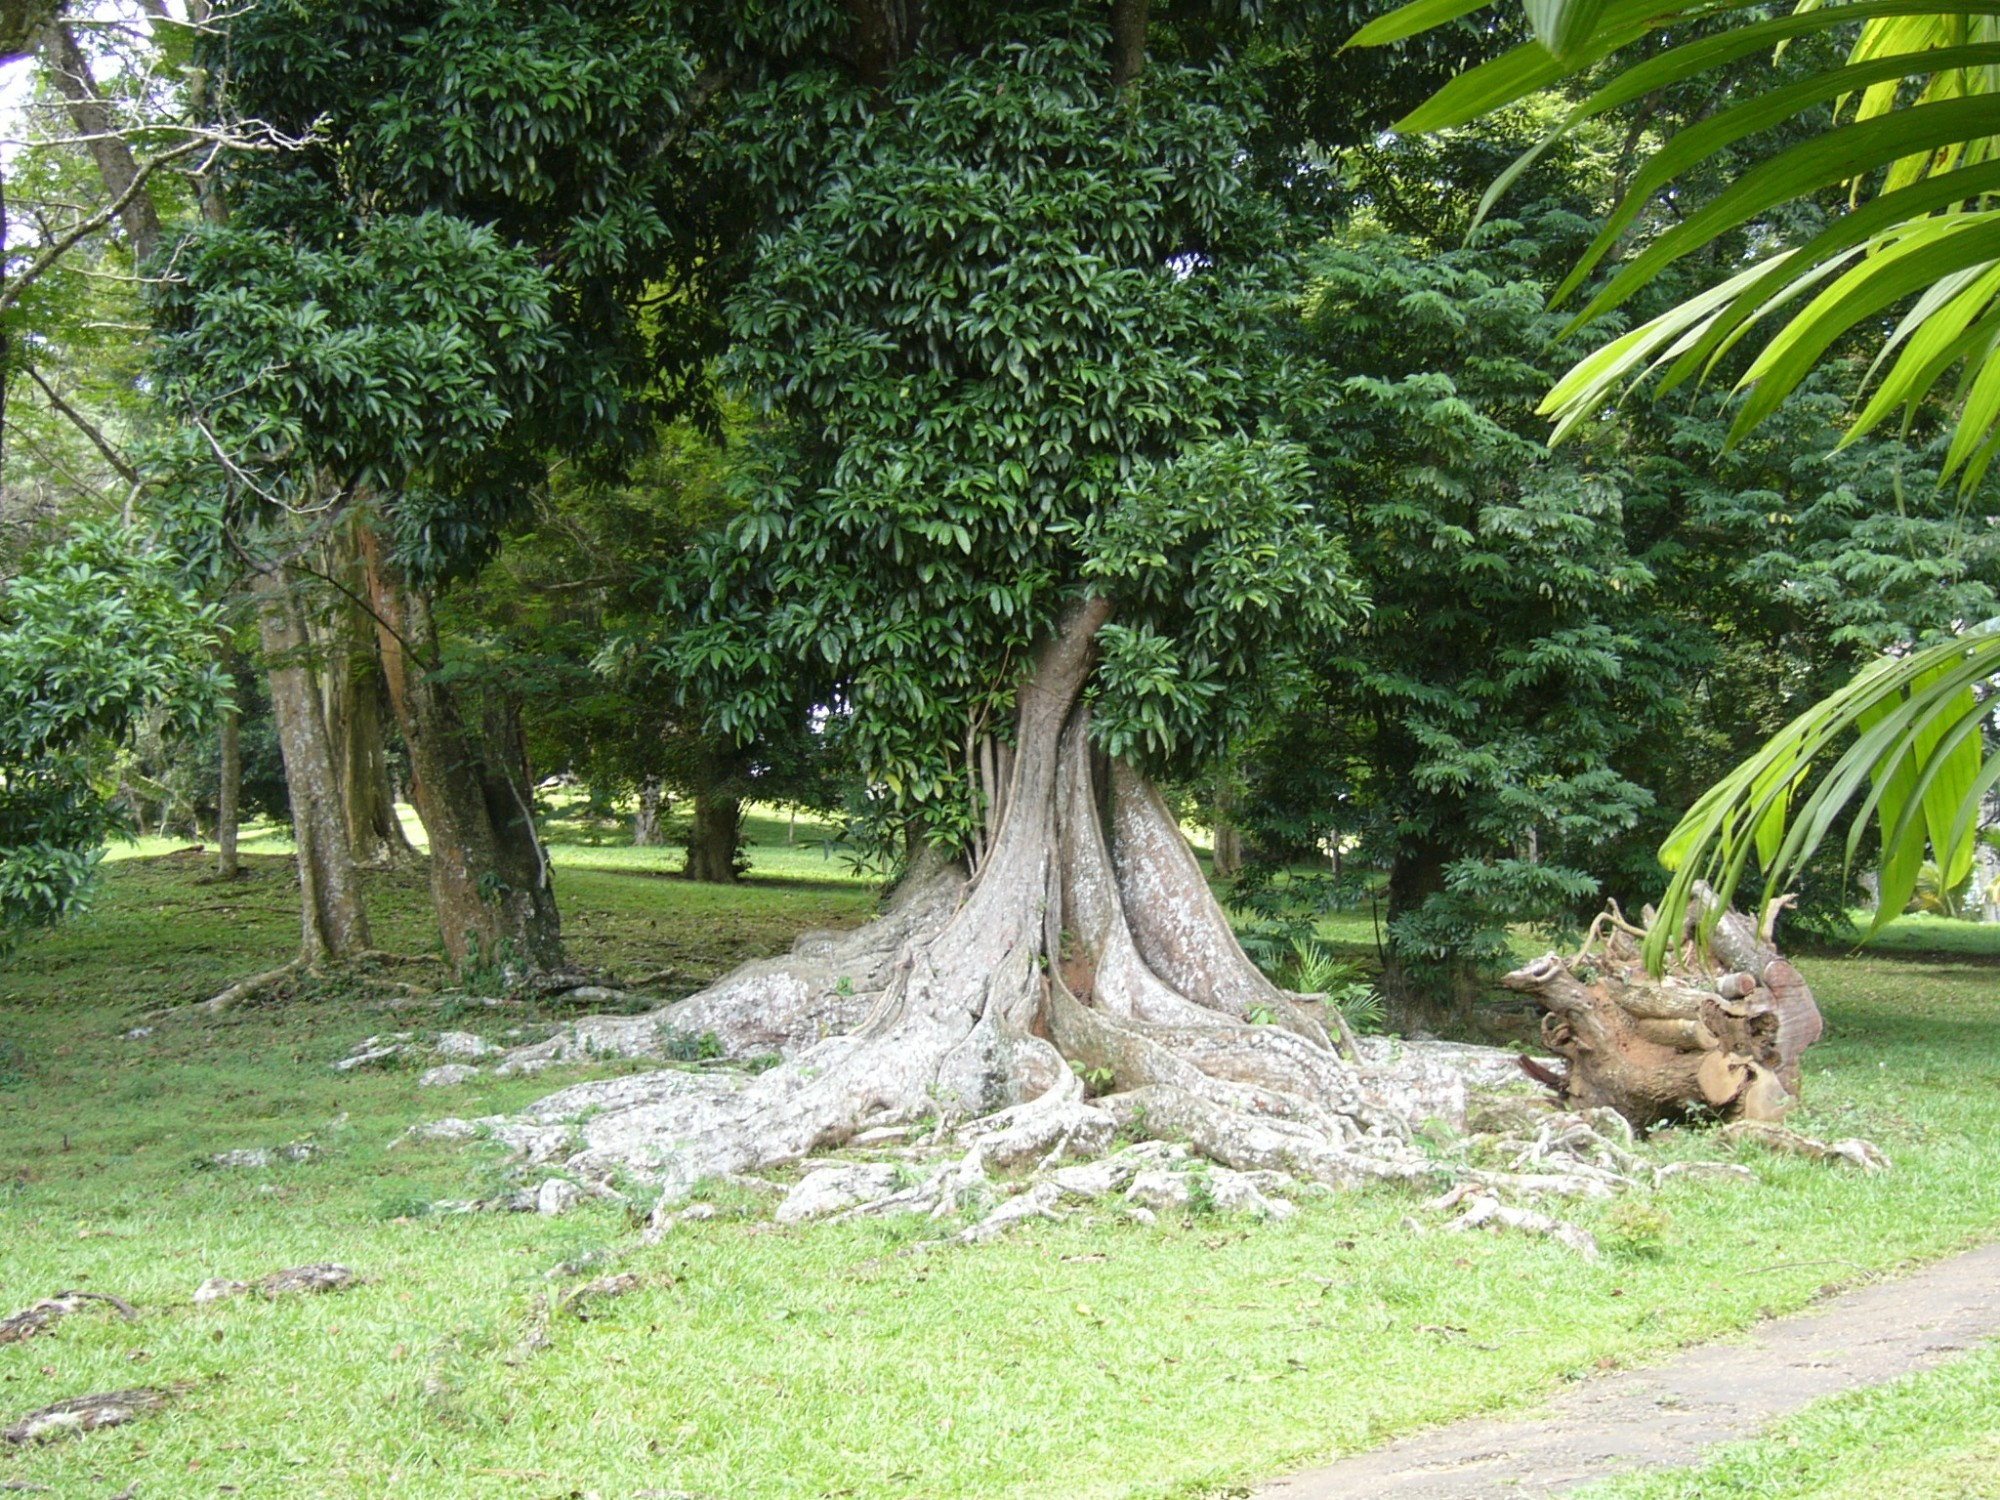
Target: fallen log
[1720,1033]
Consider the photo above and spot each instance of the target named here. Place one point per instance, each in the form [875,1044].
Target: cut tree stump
[1720,1033]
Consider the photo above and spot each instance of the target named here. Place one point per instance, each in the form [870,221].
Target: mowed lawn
[1090,1358]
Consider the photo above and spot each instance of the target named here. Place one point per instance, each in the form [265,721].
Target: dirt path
[1665,1415]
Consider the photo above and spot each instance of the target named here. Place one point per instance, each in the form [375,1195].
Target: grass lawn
[1088,1359]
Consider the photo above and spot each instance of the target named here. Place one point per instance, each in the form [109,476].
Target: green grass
[1087,1359]
[1926,935]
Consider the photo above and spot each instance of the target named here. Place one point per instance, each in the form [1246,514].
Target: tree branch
[707,84]
[60,246]
[88,428]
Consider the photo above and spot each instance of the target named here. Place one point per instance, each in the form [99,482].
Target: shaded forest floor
[1095,1357]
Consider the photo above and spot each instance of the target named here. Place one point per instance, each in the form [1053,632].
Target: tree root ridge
[828,985]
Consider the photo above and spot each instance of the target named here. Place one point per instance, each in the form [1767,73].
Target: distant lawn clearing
[1091,1358]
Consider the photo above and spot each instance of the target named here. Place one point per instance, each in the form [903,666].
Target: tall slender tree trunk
[94,121]
[351,685]
[335,921]
[1228,846]
[490,878]
[1228,849]
[229,794]
[373,829]
[646,820]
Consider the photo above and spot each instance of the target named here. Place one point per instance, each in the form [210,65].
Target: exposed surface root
[1481,1209]
[825,986]
[82,1414]
[239,993]
[1853,1151]
[44,1315]
[323,1277]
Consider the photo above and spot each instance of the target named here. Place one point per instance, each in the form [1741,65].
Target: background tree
[1510,654]
[437,441]
[108,159]
[97,634]
[567,618]
[313,383]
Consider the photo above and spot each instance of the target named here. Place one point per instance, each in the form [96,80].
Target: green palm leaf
[1936,154]
[1914,729]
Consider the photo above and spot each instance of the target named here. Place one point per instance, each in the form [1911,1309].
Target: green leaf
[1411,20]
[1926,252]
[1563,26]
[1915,724]
[1830,157]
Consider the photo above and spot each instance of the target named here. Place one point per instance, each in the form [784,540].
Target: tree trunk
[229,794]
[715,838]
[373,828]
[1720,1032]
[883,33]
[1088,946]
[1228,861]
[646,832]
[335,922]
[1429,996]
[351,685]
[94,121]
[1128,40]
[137,805]
[490,880]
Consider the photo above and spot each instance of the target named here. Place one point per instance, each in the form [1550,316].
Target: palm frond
[1915,106]
[1916,761]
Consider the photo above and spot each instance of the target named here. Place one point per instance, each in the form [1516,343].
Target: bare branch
[52,460]
[88,428]
[244,477]
[58,247]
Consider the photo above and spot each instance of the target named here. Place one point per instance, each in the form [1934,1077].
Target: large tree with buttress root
[1013,510]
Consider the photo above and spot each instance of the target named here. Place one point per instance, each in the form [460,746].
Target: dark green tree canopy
[1475,720]
[391,362]
[1010,336]
[483,259]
